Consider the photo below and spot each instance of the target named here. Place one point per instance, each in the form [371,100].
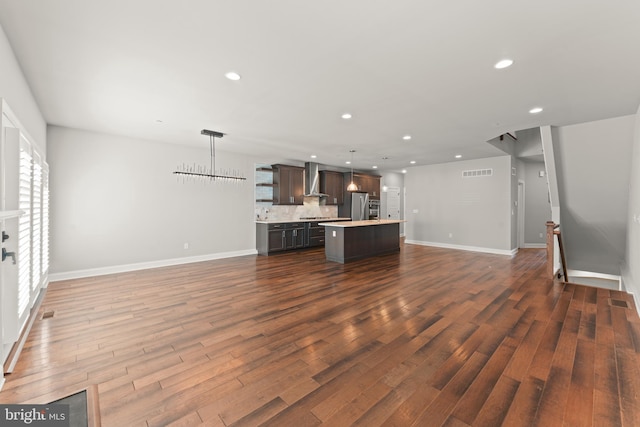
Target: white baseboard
[535,246]
[628,286]
[636,300]
[507,252]
[101,271]
[591,274]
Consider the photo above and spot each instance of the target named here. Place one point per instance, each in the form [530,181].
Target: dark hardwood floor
[426,337]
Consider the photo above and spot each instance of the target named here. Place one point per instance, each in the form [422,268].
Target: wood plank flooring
[425,337]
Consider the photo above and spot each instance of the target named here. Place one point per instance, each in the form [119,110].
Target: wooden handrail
[554,229]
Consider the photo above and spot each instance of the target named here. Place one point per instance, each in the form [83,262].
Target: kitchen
[295,205]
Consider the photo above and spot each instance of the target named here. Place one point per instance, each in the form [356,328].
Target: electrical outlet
[334,233]
[451,235]
[186,246]
[540,235]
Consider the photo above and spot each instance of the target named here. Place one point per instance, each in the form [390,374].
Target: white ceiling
[423,68]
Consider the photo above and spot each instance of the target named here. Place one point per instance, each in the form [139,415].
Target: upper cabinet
[332,184]
[374,187]
[288,185]
[365,183]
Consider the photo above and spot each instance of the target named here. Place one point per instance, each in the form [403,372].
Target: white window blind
[45,220]
[36,223]
[24,228]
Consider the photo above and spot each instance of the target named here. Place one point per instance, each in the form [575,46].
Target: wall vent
[477,173]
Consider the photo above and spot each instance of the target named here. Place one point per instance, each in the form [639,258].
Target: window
[24,227]
[45,221]
[24,189]
[36,223]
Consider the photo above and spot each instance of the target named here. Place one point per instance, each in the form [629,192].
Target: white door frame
[521,213]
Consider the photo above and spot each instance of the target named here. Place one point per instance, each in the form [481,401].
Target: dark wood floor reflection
[426,337]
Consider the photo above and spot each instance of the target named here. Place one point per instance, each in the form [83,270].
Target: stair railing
[554,229]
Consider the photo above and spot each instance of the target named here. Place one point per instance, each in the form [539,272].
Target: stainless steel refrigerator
[359,206]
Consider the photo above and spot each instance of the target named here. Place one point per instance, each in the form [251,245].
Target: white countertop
[365,223]
[287,221]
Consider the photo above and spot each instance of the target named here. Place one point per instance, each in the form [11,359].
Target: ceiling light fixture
[535,110]
[346,116]
[458,156]
[352,186]
[504,63]
[413,162]
[232,75]
[201,172]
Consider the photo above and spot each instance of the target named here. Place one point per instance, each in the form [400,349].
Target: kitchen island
[352,240]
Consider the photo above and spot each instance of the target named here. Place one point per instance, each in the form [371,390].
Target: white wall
[537,206]
[593,166]
[631,267]
[529,143]
[115,202]
[15,90]
[475,211]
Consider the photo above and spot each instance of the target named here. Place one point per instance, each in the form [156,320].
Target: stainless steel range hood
[312,180]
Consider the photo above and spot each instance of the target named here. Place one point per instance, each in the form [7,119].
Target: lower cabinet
[294,238]
[276,241]
[278,237]
[315,234]
[284,236]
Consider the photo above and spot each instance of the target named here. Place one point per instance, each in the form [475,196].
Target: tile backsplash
[310,208]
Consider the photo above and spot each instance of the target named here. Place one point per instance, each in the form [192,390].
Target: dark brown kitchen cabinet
[295,237]
[365,183]
[288,185]
[315,234]
[332,184]
[374,187]
[275,240]
[271,238]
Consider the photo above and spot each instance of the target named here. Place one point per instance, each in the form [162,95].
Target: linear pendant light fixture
[201,172]
[352,186]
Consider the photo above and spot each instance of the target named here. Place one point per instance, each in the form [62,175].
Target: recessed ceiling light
[535,110]
[313,156]
[346,116]
[504,63]
[406,137]
[374,167]
[159,121]
[458,156]
[348,162]
[413,162]
[232,75]
[404,171]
